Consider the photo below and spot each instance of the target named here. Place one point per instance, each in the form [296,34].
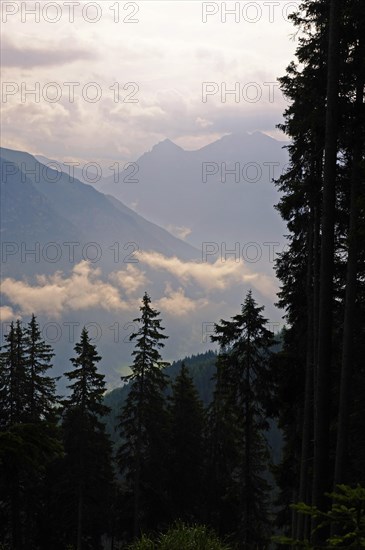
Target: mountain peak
[166,145]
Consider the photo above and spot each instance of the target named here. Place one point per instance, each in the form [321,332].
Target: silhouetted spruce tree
[247,383]
[186,452]
[12,413]
[27,394]
[30,441]
[41,389]
[144,423]
[87,467]
[13,378]
[42,412]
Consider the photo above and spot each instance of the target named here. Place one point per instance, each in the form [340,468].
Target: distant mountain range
[71,252]
[41,205]
[223,192]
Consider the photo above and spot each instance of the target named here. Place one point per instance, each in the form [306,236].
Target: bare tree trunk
[137,491]
[316,269]
[305,493]
[351,280]
[308,394]
[80,507]
[137,474]
[16,526]
[248,495]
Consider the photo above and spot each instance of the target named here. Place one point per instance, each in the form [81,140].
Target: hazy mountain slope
[77,172]
[87,215]
[28,217]
[105,295]
[170,245]
[179,190]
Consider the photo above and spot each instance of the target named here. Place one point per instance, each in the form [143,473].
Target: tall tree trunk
[321,482]
[137,473]
[305,493]
[247,481]
[316,269]
[16,525]
[80,496]
[351,280]
[247,475]
[137,489]
[80,509]
[308,397]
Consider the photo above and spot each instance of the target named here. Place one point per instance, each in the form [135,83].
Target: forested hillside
[173,429]
[201,368]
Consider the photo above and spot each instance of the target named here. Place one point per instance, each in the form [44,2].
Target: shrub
[182,537]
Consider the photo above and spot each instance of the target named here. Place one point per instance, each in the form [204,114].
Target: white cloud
[55,294]
[179,231]
[203,122]
[177,304]
[7,314]
[131,280]
[198,288]
[210,276]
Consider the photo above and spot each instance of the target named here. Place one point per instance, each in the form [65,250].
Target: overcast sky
[162,50]
[111,79]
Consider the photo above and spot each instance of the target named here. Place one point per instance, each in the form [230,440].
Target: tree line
[64,486]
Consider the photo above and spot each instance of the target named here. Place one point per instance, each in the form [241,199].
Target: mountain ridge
[91,216]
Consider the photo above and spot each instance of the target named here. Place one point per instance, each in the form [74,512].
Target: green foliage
[144,543]
[347,518]
[30,446]
[182,537]
[87,384]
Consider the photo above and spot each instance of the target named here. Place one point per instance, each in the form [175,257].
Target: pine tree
[144,421]
[87,464]
[13,378]
[12,414]
[30,439]
[186,456]
[245,362]
[41,391]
